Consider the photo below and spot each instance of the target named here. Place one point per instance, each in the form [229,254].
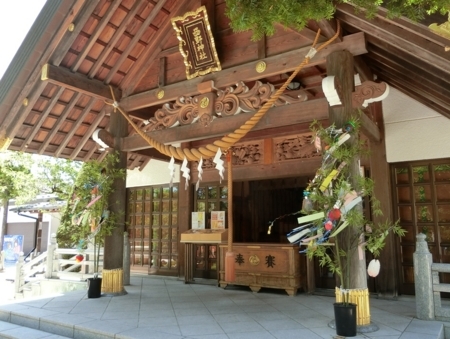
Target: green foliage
[86,217]
[352,230]
[260,16]
[16,178]
[56,176]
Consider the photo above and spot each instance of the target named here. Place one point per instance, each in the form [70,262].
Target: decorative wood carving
[368,92]
[230,101]
[363,95]
[249,153]
[298,146]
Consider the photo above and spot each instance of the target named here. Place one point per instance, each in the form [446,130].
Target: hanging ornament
[329,225]
[200,172]
[79,258]
[374,268]
[185,171]
[307,205]
[171,168]
[334,214]
[219,163]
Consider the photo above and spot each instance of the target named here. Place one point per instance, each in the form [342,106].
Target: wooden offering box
[264,265]
[204,236]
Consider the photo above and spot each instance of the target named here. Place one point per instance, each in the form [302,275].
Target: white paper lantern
[374,268]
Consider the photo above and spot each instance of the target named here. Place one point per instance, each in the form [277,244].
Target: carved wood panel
[298,146]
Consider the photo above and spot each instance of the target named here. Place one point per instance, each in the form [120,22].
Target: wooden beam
[387,280]
[151,51]
[69,37]
[369,128]
[262,47]
[88,133]
[78,82]
[11,125]
[94,36]
[340,64]
[281,63]
[162,72]
[51,103]
[390,32]
[144,163]
[276,117]
[155,154]
[144,26]
[55,128]
[118,34]
[74,127]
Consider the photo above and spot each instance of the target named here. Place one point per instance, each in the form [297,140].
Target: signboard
[198,220]
[12,247]
[217,219]
[196,43]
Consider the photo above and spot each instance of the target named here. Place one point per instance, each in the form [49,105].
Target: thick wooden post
[113,253]
[340,64]
[387,280]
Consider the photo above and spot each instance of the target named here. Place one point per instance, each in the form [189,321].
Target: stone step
[13,331]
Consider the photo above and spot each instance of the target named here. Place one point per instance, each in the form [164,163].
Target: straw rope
[230,139]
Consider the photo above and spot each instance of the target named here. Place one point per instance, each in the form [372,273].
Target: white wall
[155,173]
[414,131]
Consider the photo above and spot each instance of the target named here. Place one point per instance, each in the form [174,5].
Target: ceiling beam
[389,31]
[69,37]
[74,127]
[281,63]
[118,34]
[151,51]
[50,104]
[369,128]
[59,122]
[78,82]
[306,111]
[144,26]
[153,153]
[94,36]
[88,133]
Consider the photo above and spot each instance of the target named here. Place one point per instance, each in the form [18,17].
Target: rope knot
[312,52]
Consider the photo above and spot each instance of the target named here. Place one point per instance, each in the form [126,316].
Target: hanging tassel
[186,172]
[171,168]
[200,173]
[219,163]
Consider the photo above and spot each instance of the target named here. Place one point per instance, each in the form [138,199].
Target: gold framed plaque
[196,43]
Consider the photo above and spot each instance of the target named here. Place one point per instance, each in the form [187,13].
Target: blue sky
[16,18]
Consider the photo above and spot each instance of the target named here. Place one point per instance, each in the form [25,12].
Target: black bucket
[345,319]
[94,287]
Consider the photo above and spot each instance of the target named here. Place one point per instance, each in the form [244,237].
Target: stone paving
[166,308]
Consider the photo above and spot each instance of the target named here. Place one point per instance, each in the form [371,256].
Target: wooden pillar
[113,252]
[340,64]
[387,280]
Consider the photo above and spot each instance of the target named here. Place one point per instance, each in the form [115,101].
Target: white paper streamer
[185,171]
[171,168]
[219,163]
[200,172]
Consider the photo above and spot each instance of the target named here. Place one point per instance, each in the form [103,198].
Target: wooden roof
[130,45]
